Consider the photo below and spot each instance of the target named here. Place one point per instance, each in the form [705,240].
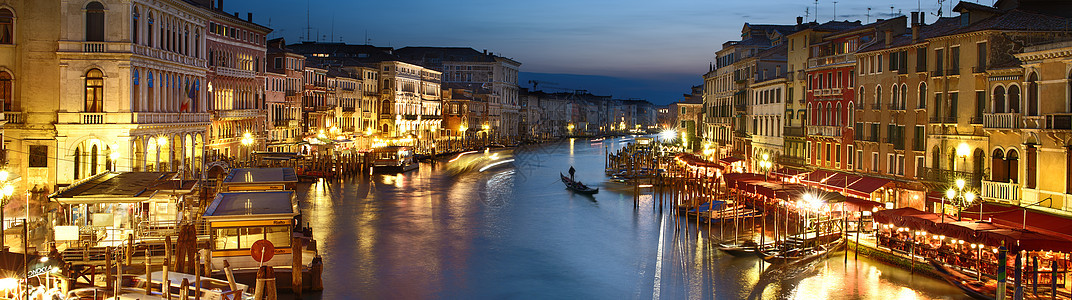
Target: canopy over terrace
[978,232]
[116,203]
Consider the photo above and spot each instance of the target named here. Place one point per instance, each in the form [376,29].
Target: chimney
[800,20]
[485,51]
[236,15]
[915,18]
[219,4]
[922,18]
[915,26]
[889,37]
[249,17]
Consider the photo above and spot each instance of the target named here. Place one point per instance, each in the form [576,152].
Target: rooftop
[260,175]
[252,203]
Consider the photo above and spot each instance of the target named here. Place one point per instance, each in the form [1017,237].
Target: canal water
[513,231]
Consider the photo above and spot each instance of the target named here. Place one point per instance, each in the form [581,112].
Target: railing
[239,113]
[1002,120]
[941,176]
[876,105]
[978,70]
[1053,121]
[834,131]
[953,71]
[937,73]
[832,59]
[895,106]
[793,131]
[231,72]
[740,133]
[93,47]
[92,118]
[14,117]
[976,120]
[1001,192]
[740,107]
[943,119]
[163,54]
[159,118]
[791,160]
[1034,122]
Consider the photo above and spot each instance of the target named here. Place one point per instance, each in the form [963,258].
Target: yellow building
[100,85]
[1029,122]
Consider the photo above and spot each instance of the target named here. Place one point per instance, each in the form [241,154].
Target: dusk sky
[653,50]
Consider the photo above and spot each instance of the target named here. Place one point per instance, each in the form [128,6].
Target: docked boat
[974,288]
[800,255]
[747,248]
[393,159]
[577,186]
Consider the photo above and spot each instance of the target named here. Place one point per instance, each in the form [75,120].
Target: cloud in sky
[640,40]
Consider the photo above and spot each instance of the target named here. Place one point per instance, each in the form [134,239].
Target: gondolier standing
[571,171]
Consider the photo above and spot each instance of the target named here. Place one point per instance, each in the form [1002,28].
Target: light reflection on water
[514,232]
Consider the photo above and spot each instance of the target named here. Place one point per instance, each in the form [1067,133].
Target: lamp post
[960,198]
[765,165]
[7,191]
[247,142]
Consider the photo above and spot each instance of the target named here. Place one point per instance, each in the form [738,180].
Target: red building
[831,91]
[236,64]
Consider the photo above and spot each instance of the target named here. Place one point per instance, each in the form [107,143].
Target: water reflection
[515,232]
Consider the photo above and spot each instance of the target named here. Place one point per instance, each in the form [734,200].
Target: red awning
[1019,239]
[733,178]
[1016,217]
[855,204]
[818,176]
[964,230]
[787,172]
[865,185]
[729,160]
[890,215]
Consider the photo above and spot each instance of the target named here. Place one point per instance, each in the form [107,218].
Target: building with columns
[236,50]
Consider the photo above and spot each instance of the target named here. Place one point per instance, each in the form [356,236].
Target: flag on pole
[191,92]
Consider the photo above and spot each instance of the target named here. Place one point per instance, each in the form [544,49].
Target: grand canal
[513,231]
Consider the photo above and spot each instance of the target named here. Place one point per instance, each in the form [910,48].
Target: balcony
[236,73]
[740,107]
[794,131]
[832,59]
[14,117]
[941,176]
[787,160]
[167,55]
[348,109]
[826,92]
[234,114]
[740,133]
[943,120]
[1062,121]
[162,118]
[831,131]
[1002,121]
[978,70]
[895,106]
[1001,192]
[876,106]
[1034,122]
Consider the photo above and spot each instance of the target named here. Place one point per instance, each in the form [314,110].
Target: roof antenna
[835,11]
[332,26]
[307,29]
[868,16]
[807,14]
[816,11]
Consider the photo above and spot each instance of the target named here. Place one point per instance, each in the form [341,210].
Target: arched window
[922,98]
[878,97]
[896,96]
[186,41]
[94,91]
[136,91]
[1014,98]
[852,115]
[1032,94]
[149,31]
[936,157]
[1012,165]
[385,107]
[999,100]
[134,26]
[93,160]
[197,43]
[95,22]
[904,96]
[837,115]
[7,27]
[860,97]
[77,163]
[6,91]
[808,121]
[997,166]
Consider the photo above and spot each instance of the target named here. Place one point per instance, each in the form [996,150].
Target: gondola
[577,186]
[797,256]
[745,249]
[969,285]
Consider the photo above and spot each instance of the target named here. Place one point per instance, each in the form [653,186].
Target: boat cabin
[236,220]
[393,158]
[259,179]
[108,206]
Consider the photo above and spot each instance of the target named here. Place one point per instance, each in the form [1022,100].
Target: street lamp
[765,165]
[959,198]
[247,141]
[7,191]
